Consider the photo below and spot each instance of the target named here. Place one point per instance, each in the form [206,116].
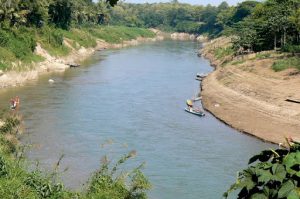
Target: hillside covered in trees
[256,25]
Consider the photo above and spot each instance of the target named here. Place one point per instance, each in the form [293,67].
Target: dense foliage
[264,25]
[276,174]
[173,16]
[257,26]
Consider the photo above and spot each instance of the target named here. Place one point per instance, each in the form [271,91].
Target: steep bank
[77,54]
[247,94]
[58,64]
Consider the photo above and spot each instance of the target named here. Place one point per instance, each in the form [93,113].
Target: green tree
[60,13]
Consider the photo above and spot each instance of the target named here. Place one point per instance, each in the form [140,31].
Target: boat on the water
[201,75]
[192,111]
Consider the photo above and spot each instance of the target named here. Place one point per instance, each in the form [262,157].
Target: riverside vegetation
[18,180]
[255,26]
[262,26]
[276,174]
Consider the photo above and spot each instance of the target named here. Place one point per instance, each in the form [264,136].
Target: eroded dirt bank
[60,64]
[249,96]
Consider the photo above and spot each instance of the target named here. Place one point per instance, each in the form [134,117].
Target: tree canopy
[271,24]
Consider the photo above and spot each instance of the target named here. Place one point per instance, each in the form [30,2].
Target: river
[134,99]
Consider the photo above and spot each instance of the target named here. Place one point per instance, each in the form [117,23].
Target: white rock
[51,81]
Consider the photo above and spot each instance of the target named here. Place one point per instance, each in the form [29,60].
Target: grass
[117,34]
[51,39]
[19,182]
[282,64]
[262,55]
[83,38]
[238,62]
[18,45]
[223,52]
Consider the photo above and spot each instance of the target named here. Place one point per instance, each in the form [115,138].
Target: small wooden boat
[201,75]
[73,65]
[199,79]
[197,99]
[199,113]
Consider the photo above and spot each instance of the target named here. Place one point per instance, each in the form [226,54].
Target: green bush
[282,64]
[276,174]
[291,48]
[223,52]
[107,183]
[4,38]
[19,42]
[187,26]
[52,40]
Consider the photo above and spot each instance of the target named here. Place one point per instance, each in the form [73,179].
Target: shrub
[52,40]
[293,62]
[18,181]
[223,52]
[106,183]
[19,42]
[188,26]
[291,48]
[276,174]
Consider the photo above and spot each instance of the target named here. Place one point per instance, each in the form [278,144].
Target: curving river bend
[134,99]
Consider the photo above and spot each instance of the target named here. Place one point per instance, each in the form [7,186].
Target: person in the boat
[189,103]
[191,107]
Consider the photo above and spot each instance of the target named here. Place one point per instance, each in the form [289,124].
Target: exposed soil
[60,64]
[251,97]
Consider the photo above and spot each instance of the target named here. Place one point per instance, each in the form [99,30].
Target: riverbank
[245,93]
[78,53]
[55,63]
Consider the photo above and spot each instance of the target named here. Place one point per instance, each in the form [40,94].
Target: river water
[134,99]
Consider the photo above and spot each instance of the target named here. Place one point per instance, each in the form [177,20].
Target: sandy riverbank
[249,96]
